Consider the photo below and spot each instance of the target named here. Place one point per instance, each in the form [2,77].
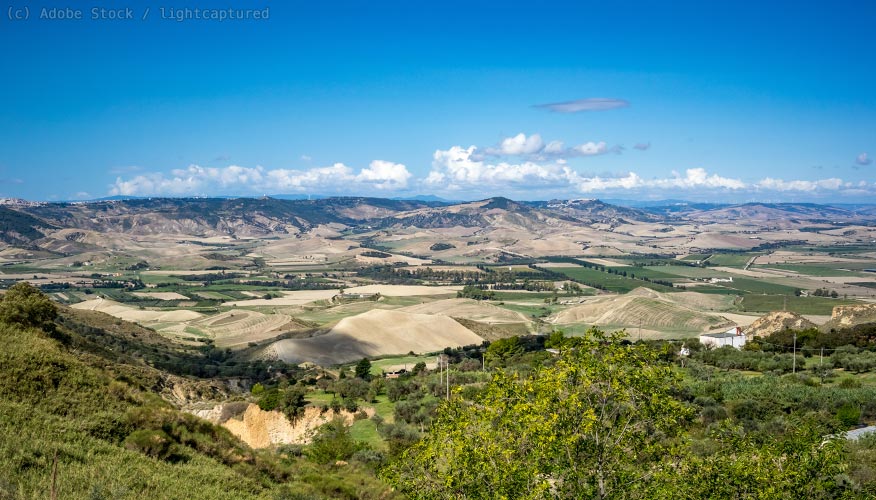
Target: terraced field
[239,327]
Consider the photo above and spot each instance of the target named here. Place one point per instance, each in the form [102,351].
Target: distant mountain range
[26,223]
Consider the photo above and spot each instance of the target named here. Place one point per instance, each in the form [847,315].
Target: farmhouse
[732,337]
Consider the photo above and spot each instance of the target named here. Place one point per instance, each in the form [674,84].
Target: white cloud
[589,104]
[195,179]
[528,167]
[519,145]
[460,168]
[697,178]
[533,147]
[863,159]
[285,180]
[780,185]
[589,149]
[594,184]
[385,175]
[464,170]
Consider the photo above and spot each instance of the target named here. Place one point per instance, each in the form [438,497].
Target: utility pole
[440,368]
[822,357]
[795,354]
[448,378]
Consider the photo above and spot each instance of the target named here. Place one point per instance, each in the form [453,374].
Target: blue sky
[711,101]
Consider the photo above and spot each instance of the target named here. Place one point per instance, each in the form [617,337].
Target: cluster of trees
[852,359]
[475,292]
[24,305]
[289,400]
[824,292]
[611,419]
[729,358]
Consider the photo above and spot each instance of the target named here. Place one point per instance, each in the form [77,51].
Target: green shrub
[153,443]
[849,415]
[333,442]
[25,305]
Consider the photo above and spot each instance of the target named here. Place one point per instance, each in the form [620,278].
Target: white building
[732,337]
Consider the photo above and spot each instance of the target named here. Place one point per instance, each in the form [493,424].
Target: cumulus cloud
[534,148]
[832,184]
[518,145]
[519,166]
[588,104]
[694,178]
[863,159]
[385,175]
[462,169]
[235,179]
[287,180]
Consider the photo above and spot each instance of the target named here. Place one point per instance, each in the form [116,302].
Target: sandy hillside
[376,333]
[234,328]
[468,309]
[301,297]
[650,309]
[777,321]
[262,429]
[848,316]
[128,313]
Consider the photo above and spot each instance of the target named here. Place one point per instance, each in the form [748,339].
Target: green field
[689,271]
[522,295]
[754,285]
[837,269]
[152,279]
[650,272]
[731,259]
[536,309]
[611,282]
[801,305]
[379,365]
[366,430]
[695,256]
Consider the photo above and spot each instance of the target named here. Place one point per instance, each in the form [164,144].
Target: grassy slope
[52,400]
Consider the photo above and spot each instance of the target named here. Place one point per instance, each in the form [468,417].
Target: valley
[257,314]
[244,272]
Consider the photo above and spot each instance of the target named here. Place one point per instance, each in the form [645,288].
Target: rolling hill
[648,309]
[375,333]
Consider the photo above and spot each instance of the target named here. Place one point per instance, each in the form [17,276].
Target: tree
[333,441]
[25,305]
[363,369]
[591,426]
[801,464]
[505,348]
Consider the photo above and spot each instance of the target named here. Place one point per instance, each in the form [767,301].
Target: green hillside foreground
[101,431]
